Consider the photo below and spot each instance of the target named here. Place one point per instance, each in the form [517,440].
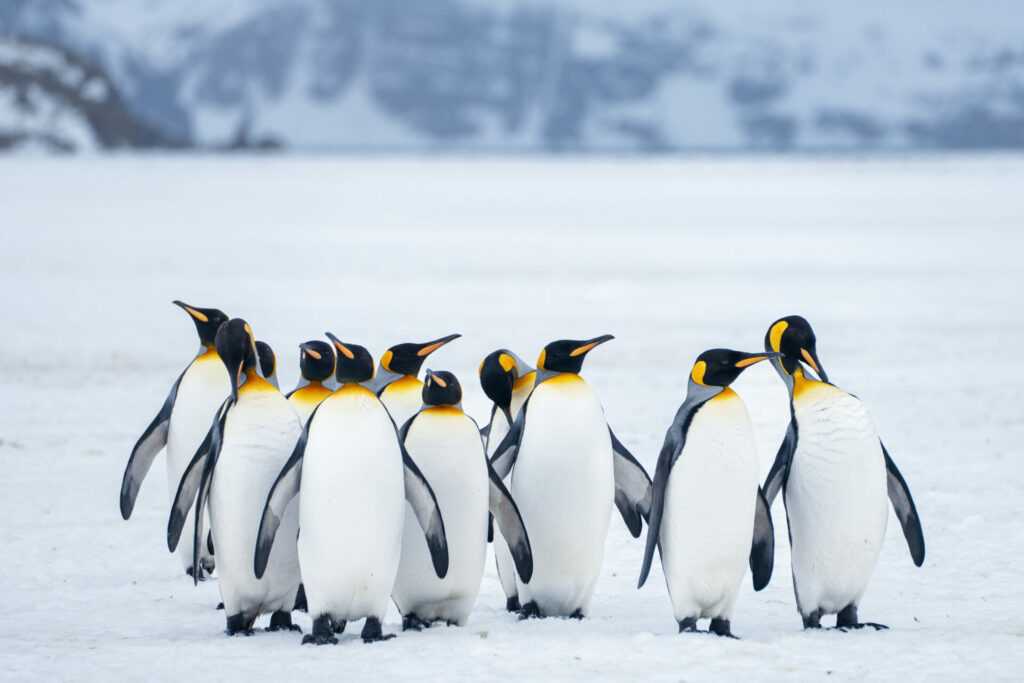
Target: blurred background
[511,75]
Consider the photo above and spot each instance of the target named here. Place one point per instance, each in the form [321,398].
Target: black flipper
[187,488]
[424,505]
[510,524]
[632,487]
[779,472]
[284,490]
[145,450]
[216,441]
[762,549]
[906,511]
[505,454]
[485,432]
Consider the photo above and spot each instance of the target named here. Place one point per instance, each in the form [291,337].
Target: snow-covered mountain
[553,75]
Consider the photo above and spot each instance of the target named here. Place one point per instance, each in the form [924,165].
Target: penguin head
[355,364]
[721,367]
[207,321]
[793,337]
[267,360]
[237,350]
[498,374]
[407,359]
[316,360]
[441,388]
[566,355]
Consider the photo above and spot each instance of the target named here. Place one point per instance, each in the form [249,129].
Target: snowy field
[909,270]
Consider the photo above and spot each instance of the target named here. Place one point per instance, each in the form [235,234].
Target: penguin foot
[411,622]
[208,566]
[530,611]
[238,626]
[813,620]
[578,614]
[338,625]
[300,599]
[512,604]
[202,573]
[721,627]
[220,605]
[323,632]
[372,632]
[847,618]
[282,621]
[688,625]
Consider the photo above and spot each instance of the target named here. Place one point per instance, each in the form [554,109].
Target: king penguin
[834,474]
[267,366]
[395,381]
[567,467]
[355,477]
[316,366]
[254,434]
[446,445]
[507,380]
[708,515]
[181,425]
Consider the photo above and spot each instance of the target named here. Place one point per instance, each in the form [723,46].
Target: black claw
[530,611]
[238,626]
[721,627]
[411,622]
[372,632]
[813,620]
[578,614]
[512,604]
[282,620]
[323,632]
[688,625]
[220,605]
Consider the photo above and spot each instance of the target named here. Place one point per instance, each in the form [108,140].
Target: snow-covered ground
[909,269]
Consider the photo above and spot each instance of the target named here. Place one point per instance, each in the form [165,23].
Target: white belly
[564,485]
[203,388]
[502,555]
[259,436]
[352,507]
[446,446]
[708,520]
[836,500]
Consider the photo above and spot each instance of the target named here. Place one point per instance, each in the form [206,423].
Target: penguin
[446,445]
[835,475]
[267,363]
[355,477]
[316,365]
[567,467]
[708,514]
[507,380]
[181,424]
[395,381]
[252,438]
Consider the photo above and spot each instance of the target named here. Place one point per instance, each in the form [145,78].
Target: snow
[909,269]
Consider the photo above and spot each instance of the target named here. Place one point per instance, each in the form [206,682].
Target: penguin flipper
[505,454]
[284,490]
[762,549]
[632,487]
[510,524]
[485,432]
[216,441]
[424,505]
[906,511]
[187,488]
[779,472]
[145,451]
[670,450]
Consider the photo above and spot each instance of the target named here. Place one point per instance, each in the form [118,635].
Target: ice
[908,268]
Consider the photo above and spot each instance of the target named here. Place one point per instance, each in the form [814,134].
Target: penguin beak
[235,370]
[811,358]
[194,312]
[430,347]
[753,358]
[589,345]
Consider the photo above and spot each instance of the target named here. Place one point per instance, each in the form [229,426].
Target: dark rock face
[465,74]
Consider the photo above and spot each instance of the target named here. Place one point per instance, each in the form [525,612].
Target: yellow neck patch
[541,358]
[209,354]
[351,389]
[526,380]
[443,410]
[697,374]
[254,382]
[802,385]
[775,335]
[314,392]
[564,378]
[405,383]
[726,394]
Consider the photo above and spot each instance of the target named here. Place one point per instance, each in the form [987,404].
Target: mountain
[647,75]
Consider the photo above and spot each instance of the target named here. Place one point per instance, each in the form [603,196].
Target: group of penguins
[399,491]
